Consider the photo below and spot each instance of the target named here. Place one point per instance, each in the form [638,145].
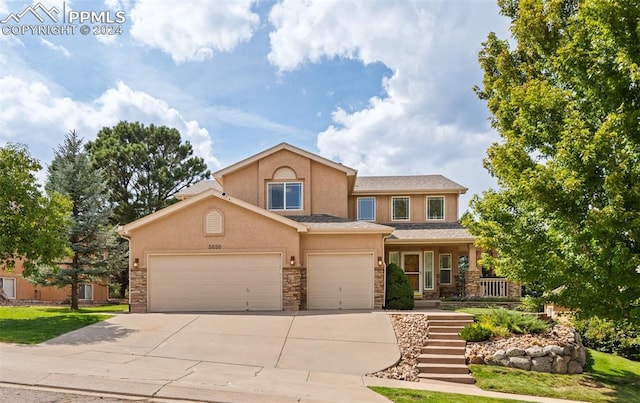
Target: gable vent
[213,223]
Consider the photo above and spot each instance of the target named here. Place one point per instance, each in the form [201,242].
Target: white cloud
[35,115]
[57,48]
[193,30]
[431,49]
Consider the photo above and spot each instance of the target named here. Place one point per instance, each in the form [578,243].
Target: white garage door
[340,281]
[215,283]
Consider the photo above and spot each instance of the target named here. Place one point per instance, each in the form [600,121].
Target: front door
[411,266]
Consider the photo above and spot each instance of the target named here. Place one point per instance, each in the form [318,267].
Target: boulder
[553,350]
[541,364]
[515,352]
[574,367]
[535,351]
[520,362]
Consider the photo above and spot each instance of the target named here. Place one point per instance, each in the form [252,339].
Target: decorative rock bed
[558,351]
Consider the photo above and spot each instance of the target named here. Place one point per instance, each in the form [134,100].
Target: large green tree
[145,167]
[91,237]
[32,225]
[564,95]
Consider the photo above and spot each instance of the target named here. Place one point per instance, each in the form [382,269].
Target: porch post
[472,287]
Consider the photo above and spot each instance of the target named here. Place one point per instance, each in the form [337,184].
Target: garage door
[340,281]
[215,282]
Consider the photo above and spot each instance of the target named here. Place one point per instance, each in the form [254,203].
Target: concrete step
[445,342]
[444,329]
[444,336]
[442,358]
[426,368]
[450,322]
[449,316]
[444,350]
[457,378]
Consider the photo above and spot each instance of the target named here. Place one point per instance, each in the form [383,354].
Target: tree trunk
[74,294]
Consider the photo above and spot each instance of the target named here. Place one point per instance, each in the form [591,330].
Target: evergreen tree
[91,238]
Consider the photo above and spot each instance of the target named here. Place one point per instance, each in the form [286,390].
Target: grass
[409,395]
[36,324]
[607,378]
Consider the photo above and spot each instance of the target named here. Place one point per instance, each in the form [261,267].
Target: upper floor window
[366,208]
[400,208]
[284,196]
[435,208]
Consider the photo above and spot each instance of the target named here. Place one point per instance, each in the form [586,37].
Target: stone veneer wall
[138,290]
[291,288]
[303,288]
[378,293]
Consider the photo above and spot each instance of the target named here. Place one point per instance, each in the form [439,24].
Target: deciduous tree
[564,95]
[32,225]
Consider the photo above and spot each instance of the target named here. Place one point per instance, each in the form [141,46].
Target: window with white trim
[400,208]
[366,208]
[445,268]
[435,207]
[85,291]
[8,285]
[428,270]
[394,257]
[284,196]
[214,223]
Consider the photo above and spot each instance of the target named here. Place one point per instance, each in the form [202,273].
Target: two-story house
[287,229]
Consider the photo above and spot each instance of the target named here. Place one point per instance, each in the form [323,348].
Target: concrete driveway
[284,355]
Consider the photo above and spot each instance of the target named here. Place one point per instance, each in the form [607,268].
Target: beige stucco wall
[418,207]
[183,231]
[325,189]
[329,191]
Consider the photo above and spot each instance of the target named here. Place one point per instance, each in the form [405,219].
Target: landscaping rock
[560,364]
[553,350]
[535,351]
[515,352]
[520,363]
[541,364]
[574,367]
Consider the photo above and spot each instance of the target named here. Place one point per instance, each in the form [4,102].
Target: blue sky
[382,86]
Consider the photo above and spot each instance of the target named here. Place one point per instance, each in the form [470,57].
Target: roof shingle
[415,183]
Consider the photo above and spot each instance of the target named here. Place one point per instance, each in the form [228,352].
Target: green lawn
[36,324]
[409,396]
[607,378]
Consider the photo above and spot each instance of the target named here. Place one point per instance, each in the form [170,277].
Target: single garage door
[231,282]
[340,281]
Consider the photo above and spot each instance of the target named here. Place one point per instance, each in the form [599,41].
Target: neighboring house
[287,229]
[18,288]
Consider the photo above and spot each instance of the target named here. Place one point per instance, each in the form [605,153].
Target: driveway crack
[171,335]
[286,338]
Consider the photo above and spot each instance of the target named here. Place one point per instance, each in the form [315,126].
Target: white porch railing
[494,287]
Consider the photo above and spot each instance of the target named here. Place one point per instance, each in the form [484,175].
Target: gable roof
[124,230]
[197,188]
[406,184]
[282,146]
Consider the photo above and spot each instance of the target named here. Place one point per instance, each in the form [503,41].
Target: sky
[382,86]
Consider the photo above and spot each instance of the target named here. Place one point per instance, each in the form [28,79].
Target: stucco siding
[329,191]
[243,184]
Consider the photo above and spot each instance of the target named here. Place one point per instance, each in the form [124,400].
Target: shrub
[504,322]
[475,332]
[529,304]
[620,338]
[399,292]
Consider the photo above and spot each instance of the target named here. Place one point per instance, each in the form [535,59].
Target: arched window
[284,173]
[213,223]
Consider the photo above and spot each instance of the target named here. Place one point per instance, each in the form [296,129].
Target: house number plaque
[215,246]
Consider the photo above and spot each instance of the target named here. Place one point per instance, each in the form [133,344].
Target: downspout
[384,268]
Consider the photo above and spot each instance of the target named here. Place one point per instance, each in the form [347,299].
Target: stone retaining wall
[557,351]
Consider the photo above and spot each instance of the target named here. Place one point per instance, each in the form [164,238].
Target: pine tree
[89,234]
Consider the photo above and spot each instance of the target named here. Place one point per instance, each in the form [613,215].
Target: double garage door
[253,282]
[247,282]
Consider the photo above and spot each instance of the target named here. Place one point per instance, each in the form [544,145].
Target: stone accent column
[378,288]
[514,290]
[303,288]
[138,290]
[291,288]
[472,286]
